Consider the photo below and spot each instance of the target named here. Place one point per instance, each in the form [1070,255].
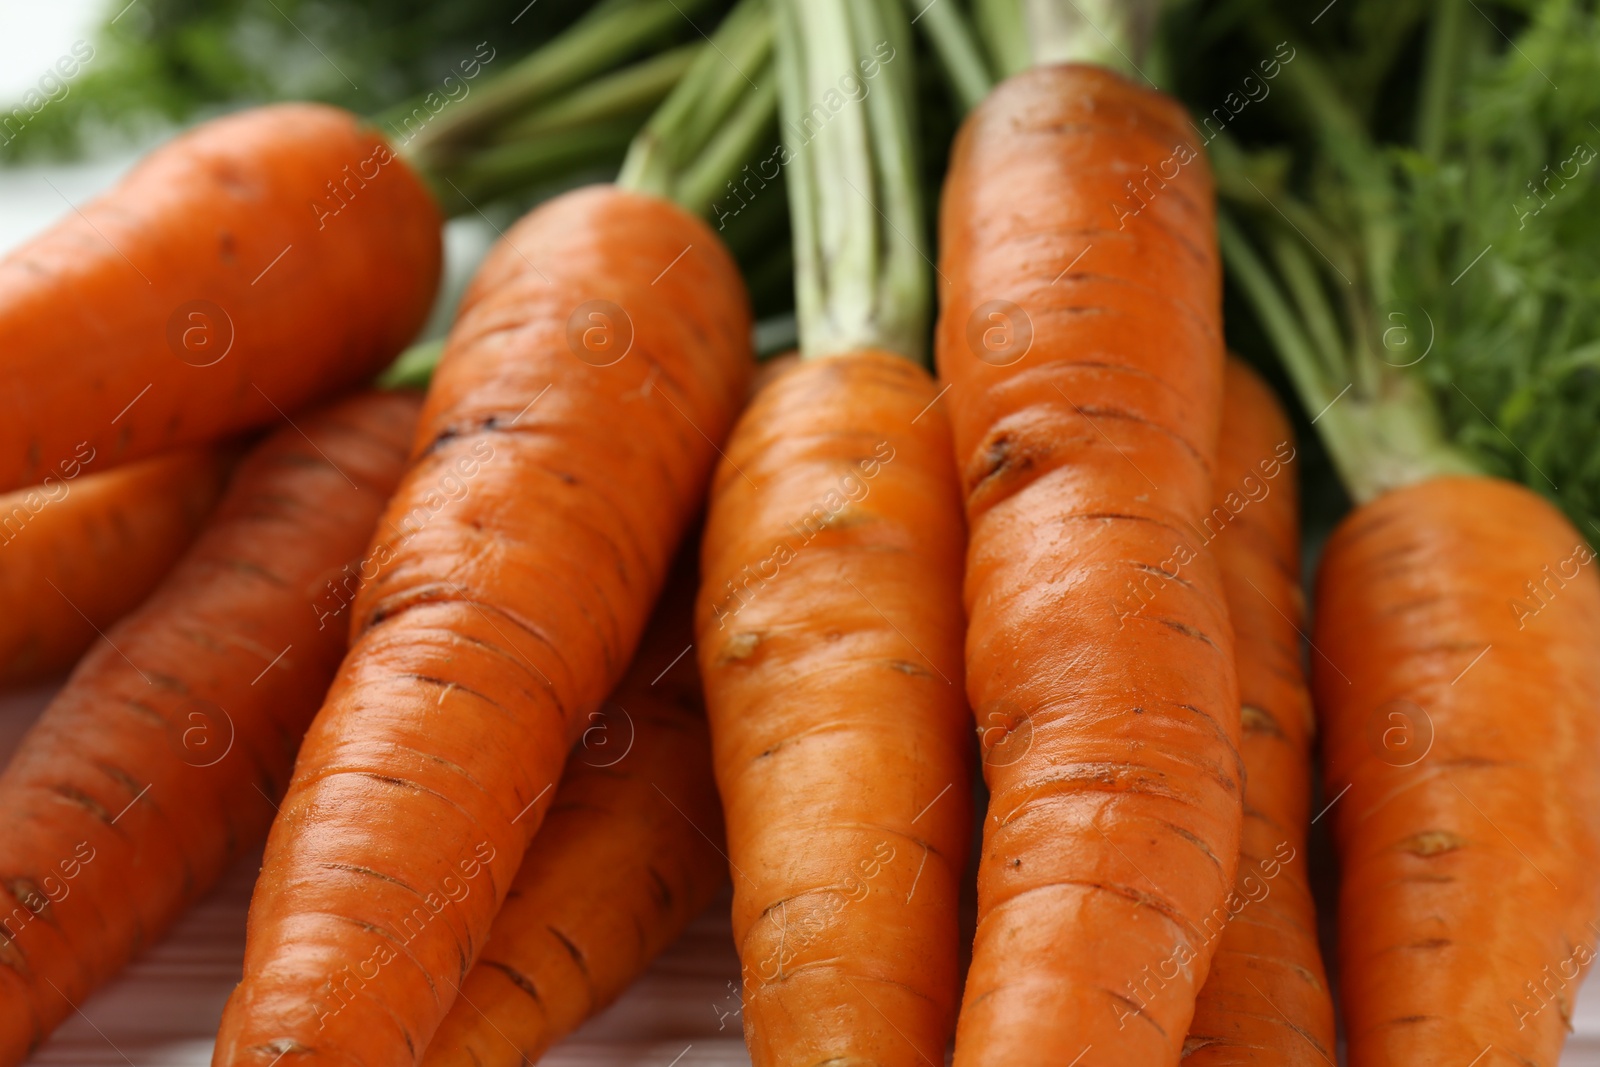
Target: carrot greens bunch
[1447,268]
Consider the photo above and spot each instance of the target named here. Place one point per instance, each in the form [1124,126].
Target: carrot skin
[1086,447]
[519,560]
[1458,705]
[830,626]
[79,554]
[1266,1000]
[629,854]
[161,314]
[158,763]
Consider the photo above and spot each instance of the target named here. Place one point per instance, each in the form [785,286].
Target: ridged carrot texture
[244,269]
[81,550]
[518,561]
[1459,687]
[1266,1000]
[1454,658]
[1080,335]
[160,761]
[599,356]
[830,637]
[629,853]
[829,618]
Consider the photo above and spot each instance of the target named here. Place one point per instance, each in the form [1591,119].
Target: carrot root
[251,266]
[1080,334]
[829,635]
[628,854]
[160,761]
[601,351]
[1456,676]
[81,552]
[1266,1000]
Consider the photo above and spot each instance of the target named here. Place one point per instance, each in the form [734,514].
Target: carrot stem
[1284,329]
[506,168]
[1004,32]
[861,274]
[1353,152]
[413,368]
[1036,33]
[633,90]
[611,32]
[729,148]
[1381,429]
[709,116]
[1380,424]
[951,35]
[1438,77]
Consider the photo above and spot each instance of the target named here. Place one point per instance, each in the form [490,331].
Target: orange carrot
[562,451]
[1082,345]
[599,356]
[629,853]
[158,763]
[1456,675]
[82,550]
[1266,1001]
[830,619]
[830,638]
[245,269]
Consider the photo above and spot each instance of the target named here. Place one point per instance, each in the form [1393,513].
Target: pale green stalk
[955,43]
[1035,33]
[717,90]
[1379,425]
[609,34]
[861,273]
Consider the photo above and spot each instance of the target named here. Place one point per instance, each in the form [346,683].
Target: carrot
[265,260]
[1453,665]
[629,853]
[830,632]
[829,619]
[1266,1000]
[244,269]
[158,763]
[600,354]
[1081,339]
[1469,838]
[82,550]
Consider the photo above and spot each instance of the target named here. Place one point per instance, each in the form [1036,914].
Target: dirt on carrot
[78,553]
[1266,1000]
[163,758]
[601,351]
[243,270]
[1082,344]
[629,853]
